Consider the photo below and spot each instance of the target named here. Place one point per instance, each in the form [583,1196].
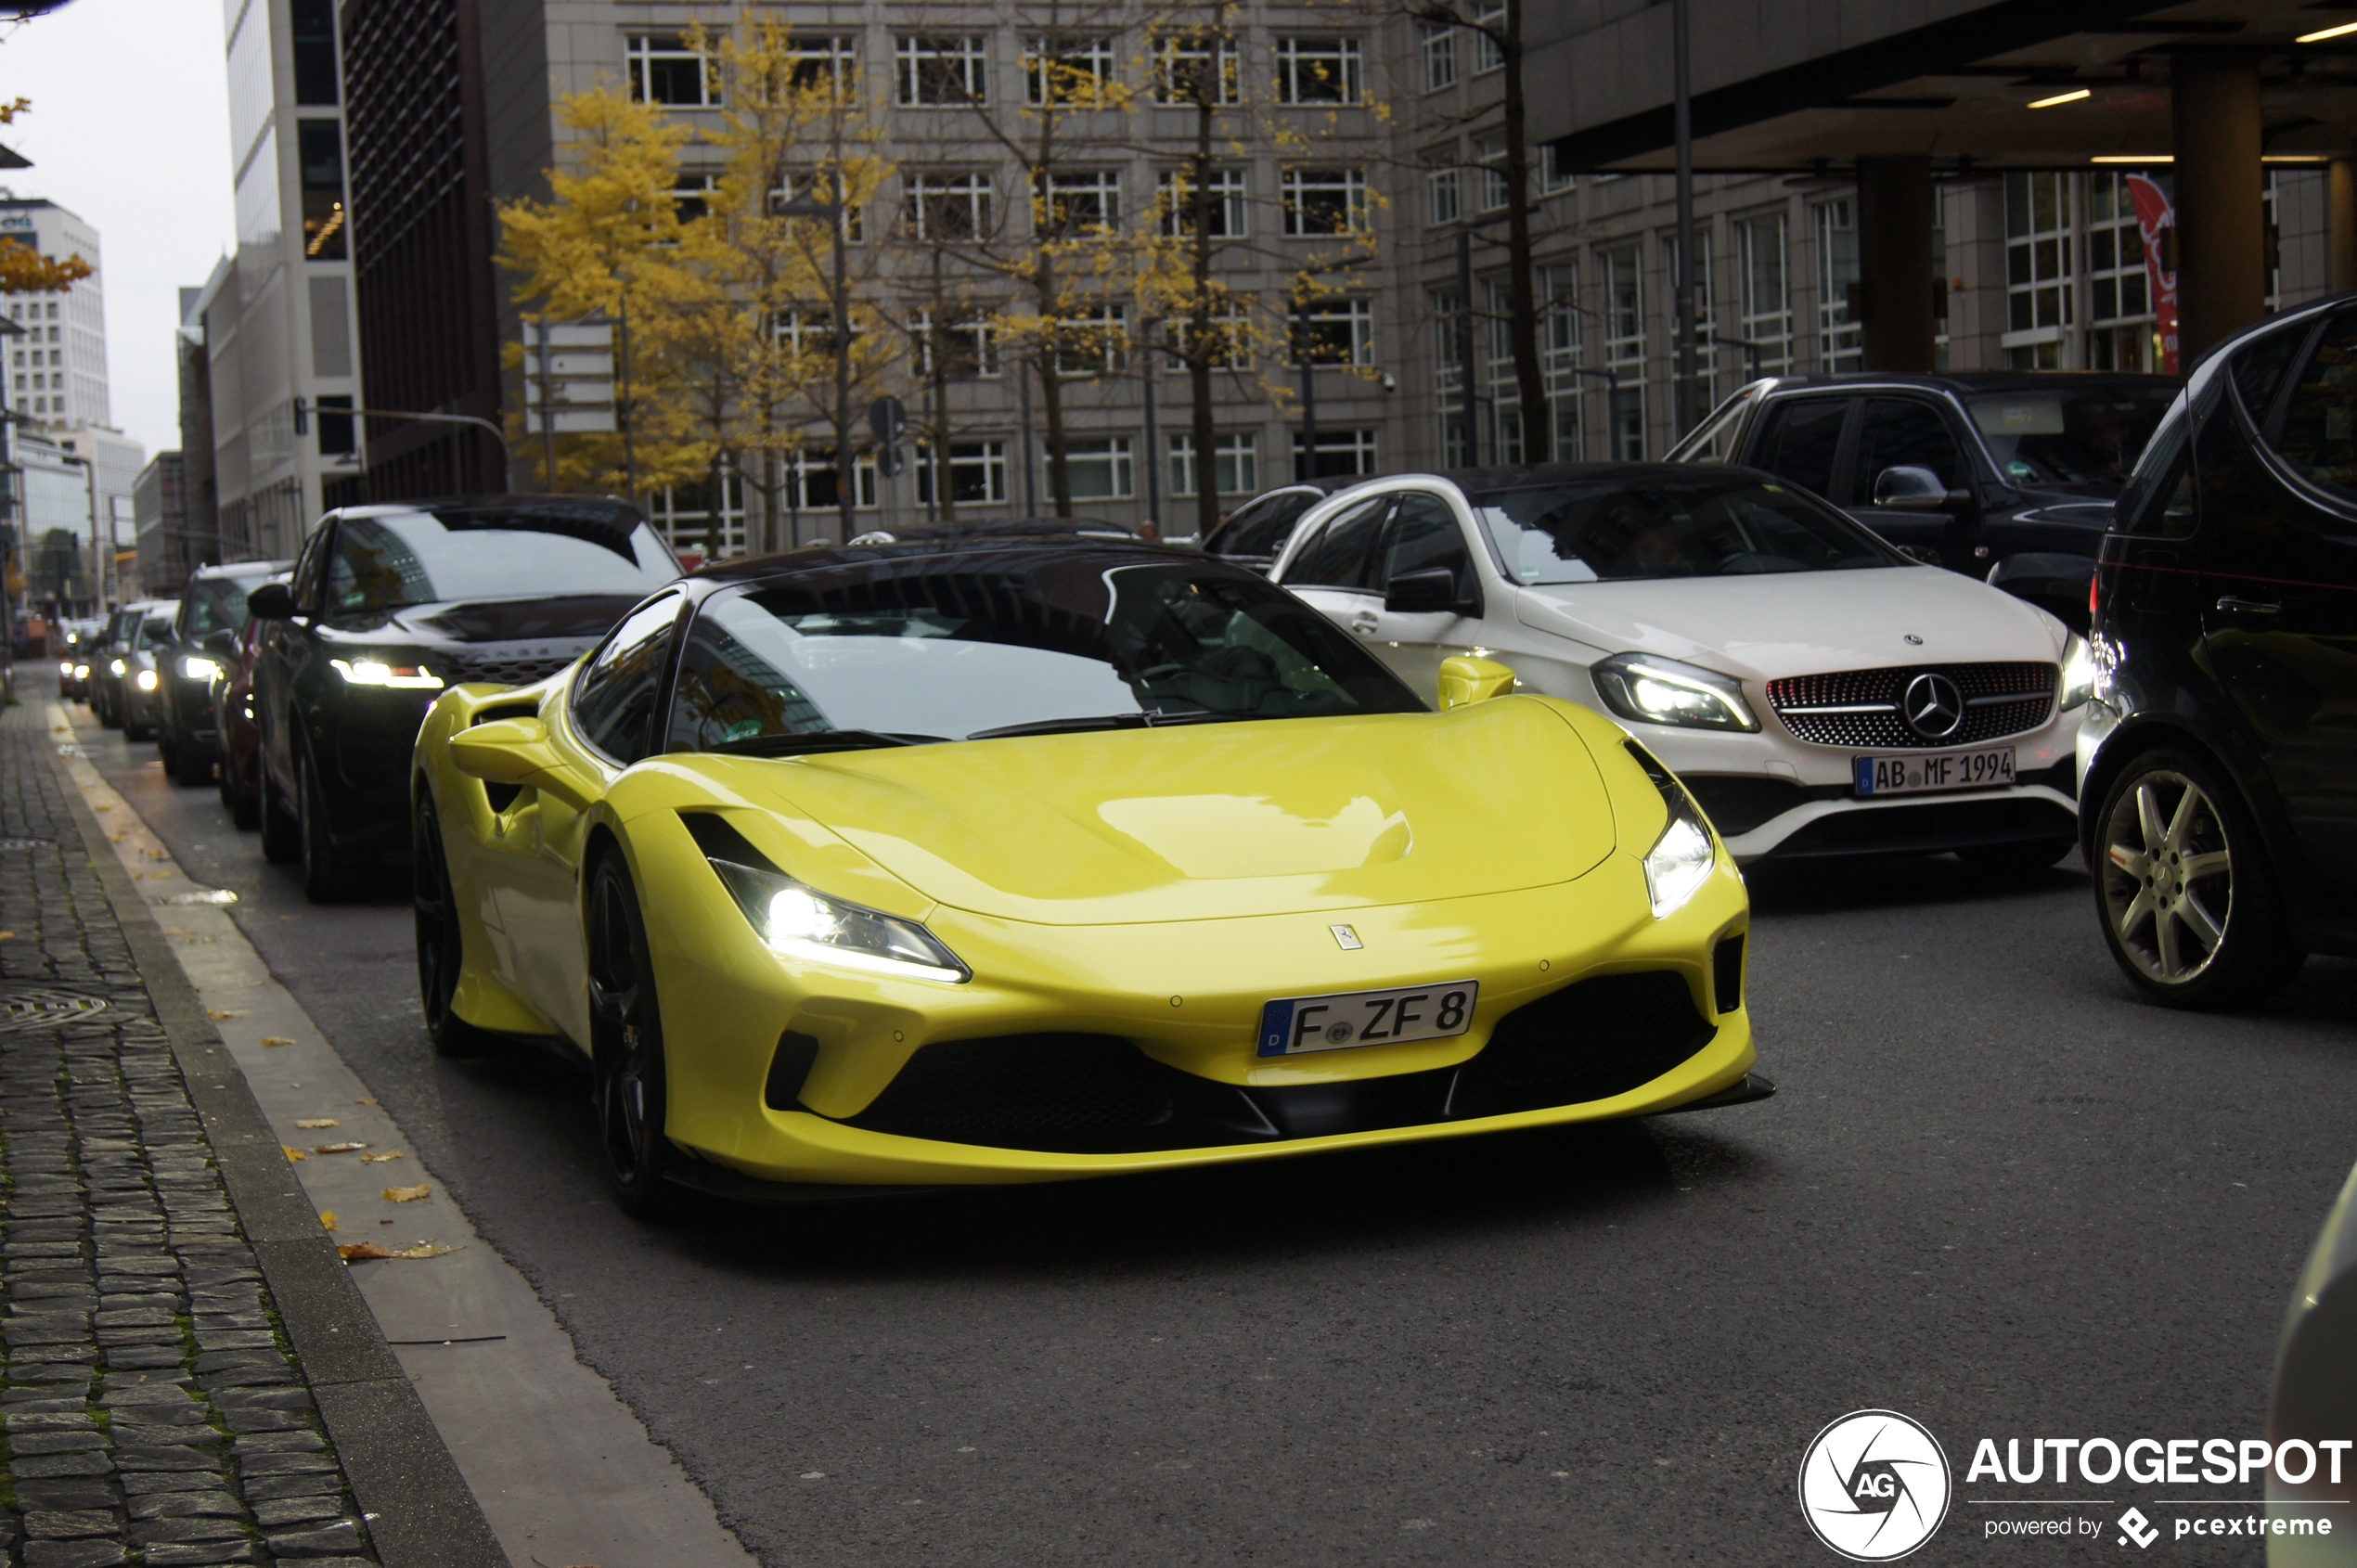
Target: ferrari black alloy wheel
[440,948]
[2187,898]
[625,1030]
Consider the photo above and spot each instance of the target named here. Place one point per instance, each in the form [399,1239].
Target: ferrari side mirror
[503,751]
[1464,680]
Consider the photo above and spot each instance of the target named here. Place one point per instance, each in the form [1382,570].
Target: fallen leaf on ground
[336,1148]
[155,854]
[293,1154]
[380,1159]
[277,1040]
[316,1121]
[116,838]
[364,1102]
[408,1194]
[6,934]
[102,806]
[217,1014]
[361,1252]
[327,1219]
[422,1250]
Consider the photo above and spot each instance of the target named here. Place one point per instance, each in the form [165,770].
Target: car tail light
[2094,597]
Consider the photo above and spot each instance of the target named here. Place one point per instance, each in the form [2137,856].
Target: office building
[111,463]
[160,514]
[57,371]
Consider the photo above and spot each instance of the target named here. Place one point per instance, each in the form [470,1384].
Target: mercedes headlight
[1655,690]
[2078,673]
[197,667]
[804,923]
[145,680]
[367,670]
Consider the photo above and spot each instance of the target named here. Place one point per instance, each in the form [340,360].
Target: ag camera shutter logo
[1874,1486]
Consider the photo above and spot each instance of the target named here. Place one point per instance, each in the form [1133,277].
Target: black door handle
[2233,606]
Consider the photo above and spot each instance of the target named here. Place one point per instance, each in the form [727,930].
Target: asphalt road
[1996,1193]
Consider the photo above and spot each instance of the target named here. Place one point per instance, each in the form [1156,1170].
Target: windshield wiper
[818,740]
[1151,719]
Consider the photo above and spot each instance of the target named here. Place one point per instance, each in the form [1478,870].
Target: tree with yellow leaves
[24,270]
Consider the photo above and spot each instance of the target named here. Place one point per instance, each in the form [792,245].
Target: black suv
[2219,757]
[389,604]
[212,611]
[2007,476]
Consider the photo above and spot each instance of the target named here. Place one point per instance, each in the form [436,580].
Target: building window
[1487,54]
[1324,202]
[1622,273]
[818,185]
[686,516]
[692,196]
[830,59]
[1226,189]
[1496,190]
[946,206]
[1094,342]
[1553,178]
[1335,331]
[663,69]
[1764,299]
[1705,333]
[1441,200]
[941,72]
[337,436]
[313,26]
[1559,351]
[1318,71]
[1069,72]
[811,484]
[319,149]
[2039,282]
[1838,342]
[809,331]
[1341,454]
[977,473]
[1193,67]
[1440,45]
[2119,313]
[1235,464]
[1087,202]
[971,347]
[1099,467]
[1230,332]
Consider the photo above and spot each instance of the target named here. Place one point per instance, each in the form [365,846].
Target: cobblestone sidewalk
[150,1408]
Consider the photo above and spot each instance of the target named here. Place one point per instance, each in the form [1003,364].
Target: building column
[2221,266]
[2341,221]
[1894,262]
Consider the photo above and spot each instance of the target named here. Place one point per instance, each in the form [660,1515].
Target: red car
[241,740]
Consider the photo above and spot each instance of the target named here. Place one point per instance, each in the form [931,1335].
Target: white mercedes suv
[1820,693]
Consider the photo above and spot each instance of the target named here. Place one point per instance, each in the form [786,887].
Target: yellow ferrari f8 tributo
[1030,856]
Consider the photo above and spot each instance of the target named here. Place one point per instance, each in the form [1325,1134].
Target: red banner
[2154,215]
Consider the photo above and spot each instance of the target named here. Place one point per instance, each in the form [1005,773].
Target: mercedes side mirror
[1430,591]
[272,601]
[1909,489]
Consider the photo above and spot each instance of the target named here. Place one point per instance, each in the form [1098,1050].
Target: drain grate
[36,1008]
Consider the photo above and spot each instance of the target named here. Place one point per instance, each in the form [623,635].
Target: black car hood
[493,621]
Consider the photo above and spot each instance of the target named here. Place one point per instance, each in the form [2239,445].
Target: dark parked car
[388,605]
[212,611]
[2007,476]
[2218,759]
[240,745]
[1255,535]
[73,641]
[123,681]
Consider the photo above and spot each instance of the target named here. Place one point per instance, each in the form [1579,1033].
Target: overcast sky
[130,129]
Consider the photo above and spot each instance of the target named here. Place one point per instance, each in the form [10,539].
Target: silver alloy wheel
[2169,878]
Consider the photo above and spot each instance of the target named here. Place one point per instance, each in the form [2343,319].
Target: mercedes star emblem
[1933,707]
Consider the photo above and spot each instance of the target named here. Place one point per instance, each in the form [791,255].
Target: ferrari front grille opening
[1065,1093]
[1727,974]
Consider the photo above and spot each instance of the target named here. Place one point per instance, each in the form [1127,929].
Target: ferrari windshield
[1669,523]
[392,560]
[930,647]
[2091,433]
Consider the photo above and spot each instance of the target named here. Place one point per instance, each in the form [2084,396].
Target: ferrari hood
[1800,622]
[1212,821]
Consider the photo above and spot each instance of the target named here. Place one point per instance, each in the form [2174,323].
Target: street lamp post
[1681,50]
[846,479]
[305,410]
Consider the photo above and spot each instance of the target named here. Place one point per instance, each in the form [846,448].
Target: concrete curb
[420,1513]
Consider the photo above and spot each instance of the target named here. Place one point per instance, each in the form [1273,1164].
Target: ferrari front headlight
[804,923]
[145,680]
[1681,858]
[2078,673]
[1652,691]
[197,667]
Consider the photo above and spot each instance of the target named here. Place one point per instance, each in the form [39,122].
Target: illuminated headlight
[197,667]
[145,680]
[802,922]
[1680,860]
[82,672]
[1652,691]
[2078,673]
[115,667]
[65,667]
[376,672]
